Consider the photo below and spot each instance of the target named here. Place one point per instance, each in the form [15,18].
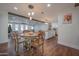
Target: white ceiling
[49,12]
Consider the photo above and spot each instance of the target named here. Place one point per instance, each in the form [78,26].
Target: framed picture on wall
[68,18]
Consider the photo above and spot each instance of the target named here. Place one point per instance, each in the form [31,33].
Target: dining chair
[38,43]
[16,38]
[27,42]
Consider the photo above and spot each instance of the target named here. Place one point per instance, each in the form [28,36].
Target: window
[22,27]
[16,27]
[26,27]
[32,27]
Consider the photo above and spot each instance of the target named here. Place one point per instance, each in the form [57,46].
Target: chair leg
[42,50]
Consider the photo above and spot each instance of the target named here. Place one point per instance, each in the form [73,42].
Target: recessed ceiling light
[48,5]
[42,12]
[15,8]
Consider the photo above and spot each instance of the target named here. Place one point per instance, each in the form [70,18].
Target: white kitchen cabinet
[49,34]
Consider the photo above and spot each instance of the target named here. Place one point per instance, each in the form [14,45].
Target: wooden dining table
[28,37]
[29,40]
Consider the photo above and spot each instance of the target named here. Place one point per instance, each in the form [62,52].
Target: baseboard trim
[67,45]
[4,43]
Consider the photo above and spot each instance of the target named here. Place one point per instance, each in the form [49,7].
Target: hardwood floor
[4,49]
[51,48]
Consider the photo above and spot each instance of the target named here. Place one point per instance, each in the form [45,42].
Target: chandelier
[30,13]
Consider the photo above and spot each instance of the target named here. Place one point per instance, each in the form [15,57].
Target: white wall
[3,27]
[68,34]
